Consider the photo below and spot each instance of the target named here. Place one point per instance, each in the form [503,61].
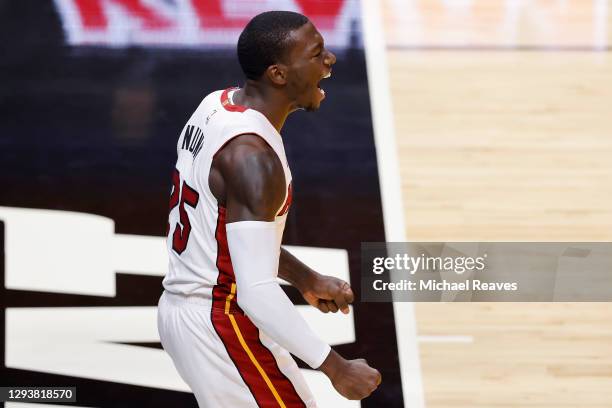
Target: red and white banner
[192,23]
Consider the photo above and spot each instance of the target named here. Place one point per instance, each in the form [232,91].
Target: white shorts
[226,361]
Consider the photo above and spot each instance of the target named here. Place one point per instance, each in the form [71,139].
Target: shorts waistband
[200,300]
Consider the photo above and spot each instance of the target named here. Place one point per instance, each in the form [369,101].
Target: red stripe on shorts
[250,333]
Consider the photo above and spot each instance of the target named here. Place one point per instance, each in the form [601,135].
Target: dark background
[94,129]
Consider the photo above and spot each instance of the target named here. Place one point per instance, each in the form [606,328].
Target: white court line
[445,339]
[600,28]
[391,195]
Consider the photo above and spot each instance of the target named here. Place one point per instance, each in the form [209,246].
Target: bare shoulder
[253,178]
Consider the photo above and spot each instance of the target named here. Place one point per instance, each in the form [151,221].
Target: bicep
[254,180]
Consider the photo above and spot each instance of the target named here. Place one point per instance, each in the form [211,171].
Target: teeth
[328,75]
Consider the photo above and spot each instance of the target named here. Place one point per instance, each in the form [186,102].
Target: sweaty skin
[247,178]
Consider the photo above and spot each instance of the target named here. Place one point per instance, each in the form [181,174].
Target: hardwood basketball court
[503,118]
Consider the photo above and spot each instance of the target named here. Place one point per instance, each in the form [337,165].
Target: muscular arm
[248,178]
[326,293]
[253,183]
[295,271]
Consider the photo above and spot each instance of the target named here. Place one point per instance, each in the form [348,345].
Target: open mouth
[321,91]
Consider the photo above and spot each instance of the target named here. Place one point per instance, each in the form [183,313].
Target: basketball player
[223,318]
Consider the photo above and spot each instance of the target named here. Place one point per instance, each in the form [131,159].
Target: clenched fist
[353,379]
[328,294]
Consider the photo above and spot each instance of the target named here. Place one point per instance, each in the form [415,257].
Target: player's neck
[264,100]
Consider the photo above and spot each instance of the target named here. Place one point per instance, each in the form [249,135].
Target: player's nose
[330,59]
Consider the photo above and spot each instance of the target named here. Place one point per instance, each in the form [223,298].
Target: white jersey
[199,260]
[217,349]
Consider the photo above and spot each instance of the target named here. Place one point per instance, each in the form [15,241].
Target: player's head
[285,50]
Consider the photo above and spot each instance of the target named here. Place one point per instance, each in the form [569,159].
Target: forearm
[271,310]
[295,271]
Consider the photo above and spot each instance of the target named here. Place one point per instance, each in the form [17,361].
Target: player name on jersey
[193,140]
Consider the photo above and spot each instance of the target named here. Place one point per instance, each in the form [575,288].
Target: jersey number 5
[184,195]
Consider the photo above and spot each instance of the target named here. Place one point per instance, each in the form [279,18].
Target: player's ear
[277,74]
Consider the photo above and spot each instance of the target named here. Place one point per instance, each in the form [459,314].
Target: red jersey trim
[225,102]
[288,200]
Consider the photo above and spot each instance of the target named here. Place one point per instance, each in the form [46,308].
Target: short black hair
[265,39]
